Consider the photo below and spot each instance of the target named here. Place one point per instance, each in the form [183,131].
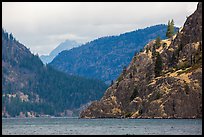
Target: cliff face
[175,93]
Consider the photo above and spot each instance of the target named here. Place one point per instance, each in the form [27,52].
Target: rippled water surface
[75,126]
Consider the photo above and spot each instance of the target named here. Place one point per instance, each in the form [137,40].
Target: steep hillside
[162,81]
[104,58]
[29,87]
[66,45]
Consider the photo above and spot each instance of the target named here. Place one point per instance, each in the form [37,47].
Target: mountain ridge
[105,57]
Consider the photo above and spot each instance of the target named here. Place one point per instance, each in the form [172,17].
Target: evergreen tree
[153,51]
[11,37]
[170,29]
[4,34]
[141,50]
[158,65]
[158,42]
[134,94]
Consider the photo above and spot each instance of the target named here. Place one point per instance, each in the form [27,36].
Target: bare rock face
[175,93]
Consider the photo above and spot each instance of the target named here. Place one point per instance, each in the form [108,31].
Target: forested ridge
[30,86]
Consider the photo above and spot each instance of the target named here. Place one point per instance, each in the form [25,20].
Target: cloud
[42,26]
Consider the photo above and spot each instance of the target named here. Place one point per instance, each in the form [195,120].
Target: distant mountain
[31,88]
[162,81]
[104,58]
[66,45]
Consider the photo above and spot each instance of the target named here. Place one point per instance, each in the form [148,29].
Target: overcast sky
[43,26]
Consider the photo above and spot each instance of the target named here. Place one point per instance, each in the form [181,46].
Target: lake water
[75,126]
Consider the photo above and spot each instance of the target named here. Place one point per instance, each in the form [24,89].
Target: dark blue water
[75,126]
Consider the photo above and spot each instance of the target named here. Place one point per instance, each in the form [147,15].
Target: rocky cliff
[162,81]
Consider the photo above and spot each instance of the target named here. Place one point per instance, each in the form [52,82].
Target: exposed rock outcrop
[175,93]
